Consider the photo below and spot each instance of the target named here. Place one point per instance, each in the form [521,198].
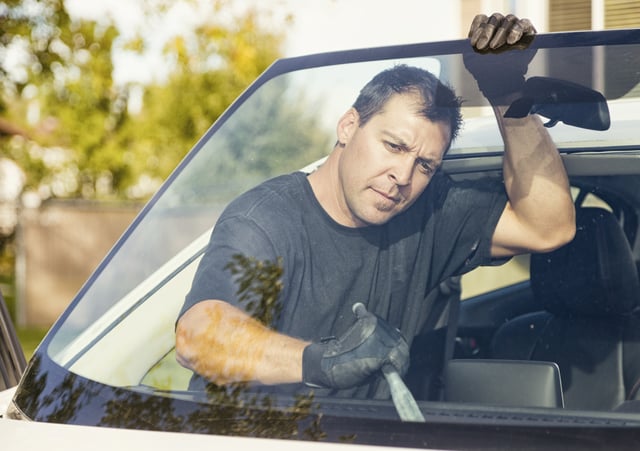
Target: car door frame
[12,358]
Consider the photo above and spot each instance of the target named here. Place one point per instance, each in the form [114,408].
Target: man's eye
[393,147]
[426,167]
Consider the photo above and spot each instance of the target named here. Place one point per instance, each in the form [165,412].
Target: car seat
[588,291]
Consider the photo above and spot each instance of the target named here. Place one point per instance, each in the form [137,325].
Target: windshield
[288,123]
[120,329]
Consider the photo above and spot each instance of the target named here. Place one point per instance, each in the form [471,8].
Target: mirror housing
[562,101]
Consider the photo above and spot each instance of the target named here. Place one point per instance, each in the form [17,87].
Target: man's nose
[402,171]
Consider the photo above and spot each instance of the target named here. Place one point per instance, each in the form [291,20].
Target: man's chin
[378,217]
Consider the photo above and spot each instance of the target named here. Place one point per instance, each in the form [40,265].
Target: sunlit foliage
[83,138]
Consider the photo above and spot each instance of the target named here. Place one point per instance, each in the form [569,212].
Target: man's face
[386,164]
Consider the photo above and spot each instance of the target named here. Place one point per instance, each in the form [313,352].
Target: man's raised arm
[539,215]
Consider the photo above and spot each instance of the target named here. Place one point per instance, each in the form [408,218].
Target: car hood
[28,435]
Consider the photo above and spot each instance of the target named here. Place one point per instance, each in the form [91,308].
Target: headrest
[593,275]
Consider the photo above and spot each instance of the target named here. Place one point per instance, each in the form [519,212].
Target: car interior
[578,311]
[563,336]
[588,292]
[566,337]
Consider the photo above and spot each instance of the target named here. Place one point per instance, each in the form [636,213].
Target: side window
[485,279]
[489,278]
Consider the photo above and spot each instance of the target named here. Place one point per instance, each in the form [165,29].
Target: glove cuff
[495,92]
[312,374]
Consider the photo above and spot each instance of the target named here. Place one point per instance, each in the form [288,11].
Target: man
[376,224]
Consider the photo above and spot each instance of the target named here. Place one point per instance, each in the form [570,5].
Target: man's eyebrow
[396,140]
[400,143]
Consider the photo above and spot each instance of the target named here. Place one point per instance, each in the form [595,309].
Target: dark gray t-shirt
[328,267]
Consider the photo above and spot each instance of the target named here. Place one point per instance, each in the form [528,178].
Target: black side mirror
[562,101]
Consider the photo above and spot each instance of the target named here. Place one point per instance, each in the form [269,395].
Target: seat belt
[447,287]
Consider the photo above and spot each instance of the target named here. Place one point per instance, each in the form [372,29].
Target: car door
[12,360]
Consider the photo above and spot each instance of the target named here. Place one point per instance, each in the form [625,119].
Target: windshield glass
[120,330]
[288,123]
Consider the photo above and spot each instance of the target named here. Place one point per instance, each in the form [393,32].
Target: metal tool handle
[403,400]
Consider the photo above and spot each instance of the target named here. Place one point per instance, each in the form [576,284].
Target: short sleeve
[470,214]
[231,237]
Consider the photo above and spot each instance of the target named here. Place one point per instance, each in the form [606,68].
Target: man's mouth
[391,197]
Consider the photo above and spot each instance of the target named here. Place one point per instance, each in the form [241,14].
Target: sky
[318,26]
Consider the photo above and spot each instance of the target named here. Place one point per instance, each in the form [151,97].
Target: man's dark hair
[439,102]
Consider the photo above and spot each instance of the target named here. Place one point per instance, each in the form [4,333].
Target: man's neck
[325,184]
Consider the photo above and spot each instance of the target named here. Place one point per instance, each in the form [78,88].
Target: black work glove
[501,54]
[499,75]
[362,351]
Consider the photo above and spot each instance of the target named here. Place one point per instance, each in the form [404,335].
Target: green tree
[210,68]
[63,94]
[88,110]
[34,29]
[83,144]
[84,141]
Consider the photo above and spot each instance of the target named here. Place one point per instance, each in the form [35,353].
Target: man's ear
[347,126]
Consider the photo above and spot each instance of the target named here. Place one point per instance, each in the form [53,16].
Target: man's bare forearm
[539,215]
[224,345]
[536,183]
